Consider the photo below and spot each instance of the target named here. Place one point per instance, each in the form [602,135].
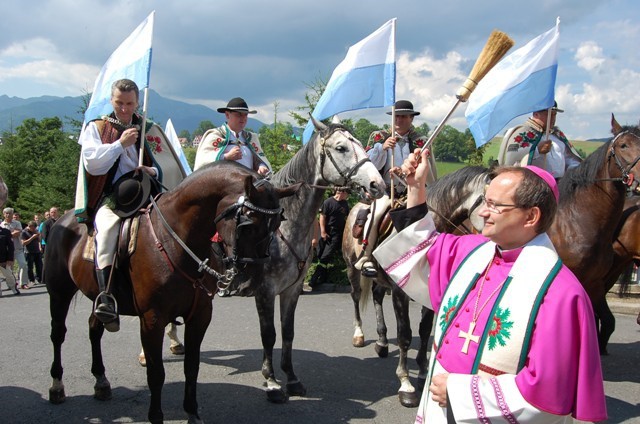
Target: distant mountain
[185,116]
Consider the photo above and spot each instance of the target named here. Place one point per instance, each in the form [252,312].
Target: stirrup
[105,307]
[369,269]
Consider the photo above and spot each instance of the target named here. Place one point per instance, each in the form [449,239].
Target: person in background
[333,215]
[232,142]
[18,250]
[387,146]
[515,338]
[6,260]
[30,238]
[46,227]
[554,155]
[40,229]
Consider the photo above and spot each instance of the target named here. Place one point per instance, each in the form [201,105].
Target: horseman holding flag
[124,159]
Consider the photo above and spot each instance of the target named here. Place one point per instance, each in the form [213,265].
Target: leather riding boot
[105,304]
[319,277]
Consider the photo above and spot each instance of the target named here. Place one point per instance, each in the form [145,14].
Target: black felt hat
[404,107]
[131,193]
[237,104]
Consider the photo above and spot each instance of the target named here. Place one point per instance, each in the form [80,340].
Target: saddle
[385,226]
[127,240]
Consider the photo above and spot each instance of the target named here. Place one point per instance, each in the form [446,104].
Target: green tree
[451,145]
[362,129]
[39,164]
[423,129]
[203,127]
[278,141]
[185,134]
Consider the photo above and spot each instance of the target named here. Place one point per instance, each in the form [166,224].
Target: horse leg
[176,347]
[356,291]
[194,332]
[382,344]
[102,388]
[607,324]
[426,323]
[59,308]
[151,335]
[265,304]
[288,303]
[407,393]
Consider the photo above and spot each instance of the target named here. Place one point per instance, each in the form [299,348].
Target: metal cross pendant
[469,337]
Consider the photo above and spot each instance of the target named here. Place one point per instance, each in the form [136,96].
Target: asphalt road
[344,384]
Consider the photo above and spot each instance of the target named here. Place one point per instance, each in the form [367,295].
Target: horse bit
[627,178]
[327,154]
[223,280]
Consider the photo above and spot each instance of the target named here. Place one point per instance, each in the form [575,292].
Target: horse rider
[112,185]
[405,140]
[555,154]
[230,141]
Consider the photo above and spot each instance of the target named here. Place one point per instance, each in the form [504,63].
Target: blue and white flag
[366,78]
[132,60]
[177,147]
[521,83]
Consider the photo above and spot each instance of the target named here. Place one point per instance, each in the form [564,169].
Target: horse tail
[365,292]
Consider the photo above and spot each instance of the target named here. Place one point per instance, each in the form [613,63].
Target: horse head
[343,160]
[245,226]
[624,153]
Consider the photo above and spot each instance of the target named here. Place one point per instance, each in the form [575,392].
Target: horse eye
[341,149]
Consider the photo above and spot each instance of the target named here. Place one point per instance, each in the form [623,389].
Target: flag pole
[547,130]
[144,126]
[393,122]
[393,150]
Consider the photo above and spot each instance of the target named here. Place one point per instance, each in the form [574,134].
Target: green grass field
[492,149]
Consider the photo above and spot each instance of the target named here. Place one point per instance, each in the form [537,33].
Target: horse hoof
[194,419]
[57,396]
[296,389]
[276,396]
[382,351]
[142,360]
[408,399]
[358,341]
[102,393]
[177,349]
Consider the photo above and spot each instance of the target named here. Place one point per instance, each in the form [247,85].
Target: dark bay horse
[592,198]
[452,202]
[165,276]
[332,157]
[626,247]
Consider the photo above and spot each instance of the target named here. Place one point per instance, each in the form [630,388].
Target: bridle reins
[237,209]
[325,153]
[627,177]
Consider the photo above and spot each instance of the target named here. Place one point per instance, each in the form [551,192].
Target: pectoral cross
[469,337]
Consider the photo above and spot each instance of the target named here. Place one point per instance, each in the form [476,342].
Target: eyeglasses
[493,206]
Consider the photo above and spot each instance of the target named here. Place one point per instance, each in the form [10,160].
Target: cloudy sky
[208,51]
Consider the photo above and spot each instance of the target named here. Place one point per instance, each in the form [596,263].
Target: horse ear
[249,189]
[615,127]
[318,124]
[289,190]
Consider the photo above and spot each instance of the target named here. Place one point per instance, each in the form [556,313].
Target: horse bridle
[236,208]
[324,153]
[627,178]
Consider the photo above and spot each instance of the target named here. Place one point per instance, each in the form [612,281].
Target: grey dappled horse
[332,157]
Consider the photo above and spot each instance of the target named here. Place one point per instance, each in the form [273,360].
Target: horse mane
[303,160]
[586,173]
[442,190]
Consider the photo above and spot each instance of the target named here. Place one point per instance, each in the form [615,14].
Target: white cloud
[589,56]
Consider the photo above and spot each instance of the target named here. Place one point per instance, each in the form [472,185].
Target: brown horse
[167,275]
[626,247]
[452,199]
[592,197]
